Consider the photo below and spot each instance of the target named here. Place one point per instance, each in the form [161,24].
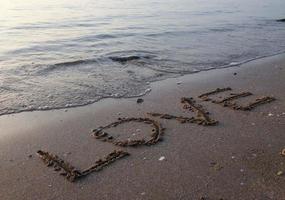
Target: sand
[237,159]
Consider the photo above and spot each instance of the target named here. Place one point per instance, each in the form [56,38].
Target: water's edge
[148,90]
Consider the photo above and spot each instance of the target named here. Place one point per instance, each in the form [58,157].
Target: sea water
[64,53]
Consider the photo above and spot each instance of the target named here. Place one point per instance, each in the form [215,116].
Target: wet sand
[237,159]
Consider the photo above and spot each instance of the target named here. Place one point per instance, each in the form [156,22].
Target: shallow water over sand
[56,54]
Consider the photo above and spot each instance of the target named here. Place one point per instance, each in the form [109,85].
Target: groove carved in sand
[202,114]
[71,173]
[258,101]
[156,134]
[228,101]
[205,96]
[202,117]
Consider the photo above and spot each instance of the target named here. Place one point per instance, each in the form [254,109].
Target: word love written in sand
[202,118]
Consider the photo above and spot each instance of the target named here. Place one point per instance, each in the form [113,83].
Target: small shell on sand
[280,173]
[283,152]
[161,158]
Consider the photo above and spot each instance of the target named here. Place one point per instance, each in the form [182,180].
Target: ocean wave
[63,92]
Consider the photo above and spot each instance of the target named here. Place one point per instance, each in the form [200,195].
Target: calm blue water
[59,53]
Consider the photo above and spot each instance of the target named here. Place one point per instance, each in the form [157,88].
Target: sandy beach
[239,158]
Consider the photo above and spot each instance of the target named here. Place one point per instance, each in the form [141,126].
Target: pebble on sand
[140,100]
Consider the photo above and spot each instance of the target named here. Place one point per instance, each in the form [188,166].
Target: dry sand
[237,159]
